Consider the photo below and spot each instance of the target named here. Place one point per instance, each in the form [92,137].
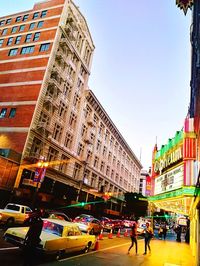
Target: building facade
[174,172]
[48,114]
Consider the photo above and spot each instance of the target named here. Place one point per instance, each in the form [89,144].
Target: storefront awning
[178,201]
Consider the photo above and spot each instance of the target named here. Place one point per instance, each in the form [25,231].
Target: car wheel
[60,254]
[92,231]
[10,222]
[87,248]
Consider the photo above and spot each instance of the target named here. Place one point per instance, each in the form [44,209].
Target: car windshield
[85,219]
[13,207]
[52,228]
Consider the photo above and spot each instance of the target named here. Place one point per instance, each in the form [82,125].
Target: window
[52,154]
[21,28]
[14,29]
[2,22]
[80,149]
[9,42]
[25,17]
[27,50]
[44,47]
[18,19]
[18,39]
[35,15]
[4,31]
[36,36]
[62,110]
[44,13]
[76,173]
[3,112]
[32,26]
[13,52]
[8,21]
[72,120]
[57,132]
[1,42]
[28,37]
[40,24]
[63,164]
[68,140]
[12,112]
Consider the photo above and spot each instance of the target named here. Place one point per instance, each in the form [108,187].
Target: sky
[141,66]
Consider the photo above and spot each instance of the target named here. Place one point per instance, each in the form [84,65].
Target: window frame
[36,15]
[36,36]
[3,112]
[40,22]
[11,115]
[14,29]
[4,31]
[10,40]
[32,25]
[18,18]
[22,26]
[30,49]
[8,21]
[44,45]
[12,52]
[28,37]
[43,13]
[25,17]
[18,39]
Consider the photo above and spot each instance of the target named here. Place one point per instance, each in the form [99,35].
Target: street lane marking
[81,255]
[11,248]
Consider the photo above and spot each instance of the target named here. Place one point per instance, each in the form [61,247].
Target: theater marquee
[171,180]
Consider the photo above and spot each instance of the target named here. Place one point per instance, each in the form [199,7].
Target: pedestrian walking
[164,231]
[160,232]
[32,238]
[148,234]
[178,231]
[133,238]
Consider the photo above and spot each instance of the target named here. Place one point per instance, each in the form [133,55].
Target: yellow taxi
[58,236]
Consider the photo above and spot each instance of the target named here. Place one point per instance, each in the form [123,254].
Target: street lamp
[82,181]
[39,177]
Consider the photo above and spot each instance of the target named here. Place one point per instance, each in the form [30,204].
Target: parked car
[82,216]
[14,213]
[115,225]
[57,237]
[127,223]
[89,224]
[58,215]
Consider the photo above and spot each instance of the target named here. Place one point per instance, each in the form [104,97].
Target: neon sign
[168,159]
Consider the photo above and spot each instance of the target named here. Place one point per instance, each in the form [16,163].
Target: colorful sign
[168,159]
[184,4]
[148,186]
[171,180]
[39,174]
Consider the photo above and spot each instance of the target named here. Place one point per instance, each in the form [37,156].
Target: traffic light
[82,204]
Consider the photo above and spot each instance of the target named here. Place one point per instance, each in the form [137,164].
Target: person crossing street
[148,234]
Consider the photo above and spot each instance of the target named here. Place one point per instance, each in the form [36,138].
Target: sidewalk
[166,253]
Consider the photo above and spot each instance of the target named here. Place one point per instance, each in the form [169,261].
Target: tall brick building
[48,114]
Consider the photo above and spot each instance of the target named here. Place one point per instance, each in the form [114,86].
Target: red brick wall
[13,140]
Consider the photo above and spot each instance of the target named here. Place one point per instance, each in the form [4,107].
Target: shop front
[174,175]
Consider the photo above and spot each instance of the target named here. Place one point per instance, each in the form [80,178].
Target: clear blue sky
[141,66]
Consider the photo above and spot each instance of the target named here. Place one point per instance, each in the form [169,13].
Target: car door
[20,214]
[96,225]
[72,241]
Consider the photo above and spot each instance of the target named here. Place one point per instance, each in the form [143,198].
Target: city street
[112,252]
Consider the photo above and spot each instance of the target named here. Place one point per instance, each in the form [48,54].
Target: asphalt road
[110,251]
